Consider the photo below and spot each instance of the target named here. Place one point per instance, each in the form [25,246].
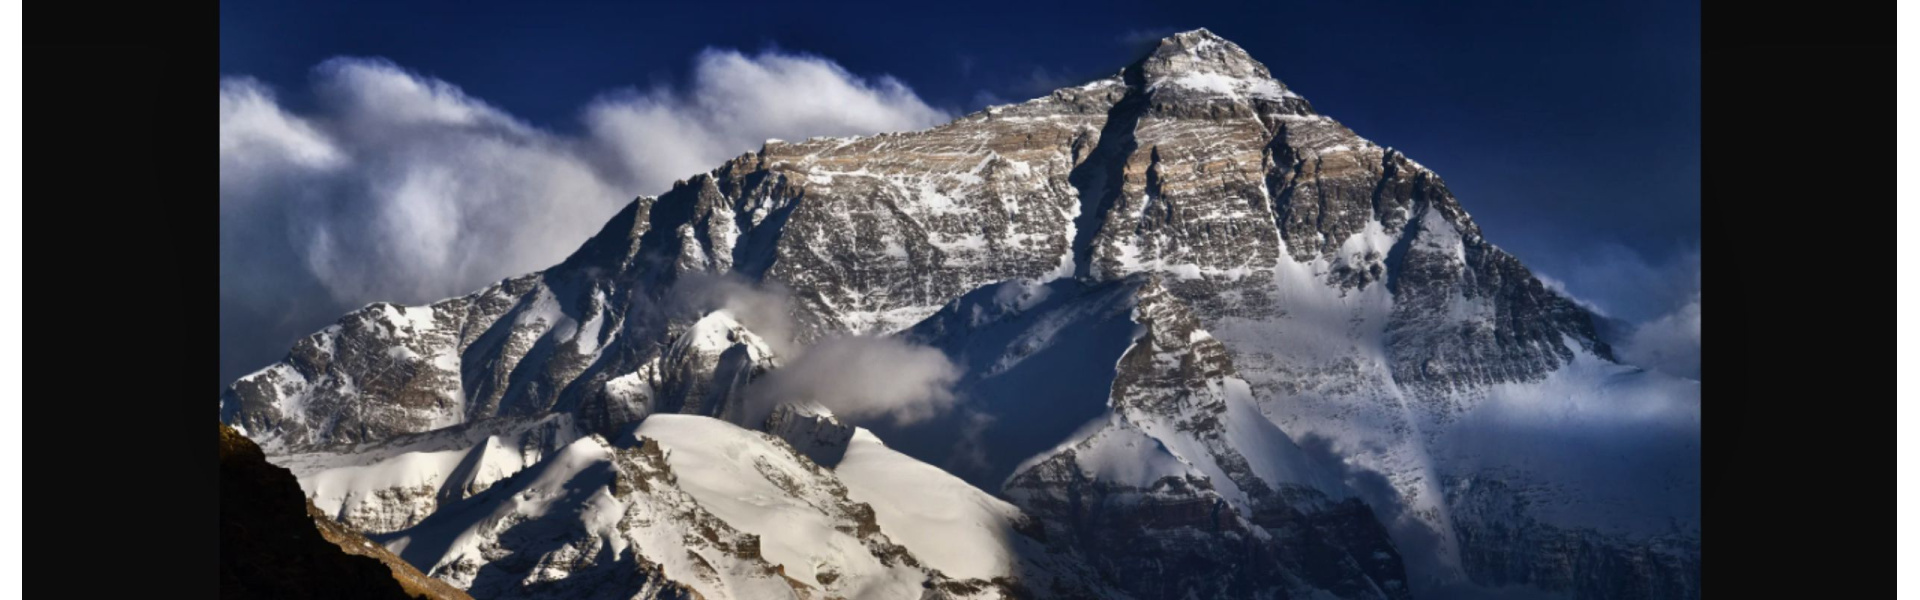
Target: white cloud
[1145,37]
[863,377]
[764,307]
[1622,281]
[1661,302]
[372,94]
[1560,287]
[736,102]
[860,378]
[399,187]
[1670,344]
[258,139]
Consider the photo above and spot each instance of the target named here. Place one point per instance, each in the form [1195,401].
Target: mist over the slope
[1627,443]
[395,186]
[1670,343]
[1420,547]
[1659,301]
[763,307]
[861,378]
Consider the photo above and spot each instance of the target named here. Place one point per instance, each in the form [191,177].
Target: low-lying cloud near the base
[395,186]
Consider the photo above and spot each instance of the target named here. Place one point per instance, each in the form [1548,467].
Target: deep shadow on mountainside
[273,544]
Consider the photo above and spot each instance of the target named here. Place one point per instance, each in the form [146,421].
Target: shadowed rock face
[1506,545]
[1216,525]
[271,546]
[1338,281]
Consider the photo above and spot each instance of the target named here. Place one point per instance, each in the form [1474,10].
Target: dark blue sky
[1570,131]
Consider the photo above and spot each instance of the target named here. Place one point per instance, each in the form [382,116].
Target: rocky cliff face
[1506,545]
[1186,491]
[1187,252]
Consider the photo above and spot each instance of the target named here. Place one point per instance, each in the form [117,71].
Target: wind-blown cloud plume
[861,378]
[763,307]
[864,377]
[1658,304]
[399,187]
[736,103]
[1670,343]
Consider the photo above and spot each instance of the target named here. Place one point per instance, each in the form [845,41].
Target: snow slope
[688,503]
[955,527]
[801,513]
[590,521]
[385,486]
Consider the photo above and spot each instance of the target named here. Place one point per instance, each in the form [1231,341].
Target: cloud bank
[395,186]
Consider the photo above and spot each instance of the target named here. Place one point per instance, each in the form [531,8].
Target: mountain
[691,506]
[1212,342]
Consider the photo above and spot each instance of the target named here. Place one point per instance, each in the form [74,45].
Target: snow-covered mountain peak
[719,331]
[1205,65]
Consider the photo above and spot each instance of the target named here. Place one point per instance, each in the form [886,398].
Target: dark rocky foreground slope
[273,544]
